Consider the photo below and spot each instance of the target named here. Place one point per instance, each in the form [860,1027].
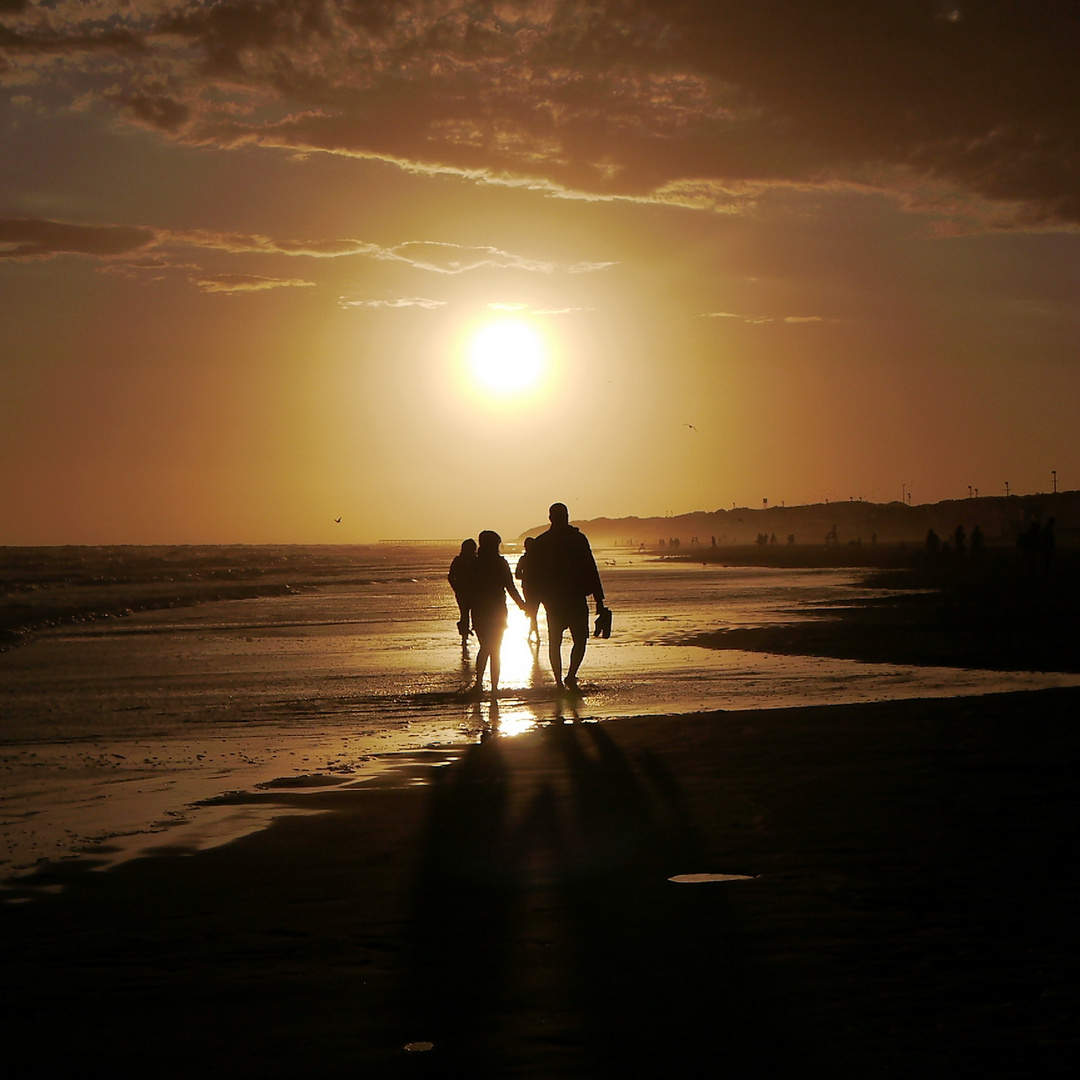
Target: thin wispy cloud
[160,249]
[241,283]
[398,302]
[760,320]
[446,258]
[31,238]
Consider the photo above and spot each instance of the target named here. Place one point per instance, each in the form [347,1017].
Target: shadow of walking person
[548,938]
[465,893]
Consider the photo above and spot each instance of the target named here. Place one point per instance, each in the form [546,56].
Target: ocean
[125,726]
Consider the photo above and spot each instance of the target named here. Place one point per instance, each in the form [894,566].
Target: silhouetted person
[1029,543]
[523,573]
[492,580]
[565,575]
[1047,543]
[978,543]
[959,538]
[460,577]
[933,542]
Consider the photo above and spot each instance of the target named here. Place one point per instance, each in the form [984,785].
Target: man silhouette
[563,575]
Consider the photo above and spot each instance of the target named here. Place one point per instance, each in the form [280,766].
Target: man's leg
[555,649]
[577,654]
[579,631]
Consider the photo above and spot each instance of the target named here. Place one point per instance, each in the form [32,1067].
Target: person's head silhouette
[558,514]
[489,543]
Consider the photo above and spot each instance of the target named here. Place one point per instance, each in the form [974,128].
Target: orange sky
[792,251]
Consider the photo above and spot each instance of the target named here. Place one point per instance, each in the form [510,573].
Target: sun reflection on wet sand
[516,722]
[520,658]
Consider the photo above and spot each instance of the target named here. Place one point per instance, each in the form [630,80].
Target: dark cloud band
[612,98]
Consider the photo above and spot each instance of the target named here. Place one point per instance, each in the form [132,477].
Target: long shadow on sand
[549,941]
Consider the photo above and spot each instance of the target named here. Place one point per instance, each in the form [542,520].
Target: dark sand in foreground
[913,911]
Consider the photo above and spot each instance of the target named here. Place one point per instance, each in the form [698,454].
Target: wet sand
[902,896]
[996,612]
[910,910]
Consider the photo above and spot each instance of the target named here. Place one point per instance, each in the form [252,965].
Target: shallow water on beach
[121,736]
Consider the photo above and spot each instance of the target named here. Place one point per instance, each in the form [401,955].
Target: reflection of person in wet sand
[523,572]
[460,577]
[564,574]
[492,580]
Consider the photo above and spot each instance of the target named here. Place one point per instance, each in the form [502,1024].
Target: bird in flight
[690,426]
[338,520]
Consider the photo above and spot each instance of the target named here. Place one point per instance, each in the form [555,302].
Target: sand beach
[865,888]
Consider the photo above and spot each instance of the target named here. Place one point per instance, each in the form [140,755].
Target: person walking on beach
[492,580]
[563,573]
[462,571]
[523,572]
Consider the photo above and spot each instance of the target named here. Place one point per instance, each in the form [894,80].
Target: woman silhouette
[492,580]
[460,578]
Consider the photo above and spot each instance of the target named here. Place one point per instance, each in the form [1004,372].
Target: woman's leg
[481,663]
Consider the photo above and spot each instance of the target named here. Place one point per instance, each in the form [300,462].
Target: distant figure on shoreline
[1029,543]
[978,544]
[959,539]
[492,580]
[1047,543]
[564,574]
[523,572]
[462,571]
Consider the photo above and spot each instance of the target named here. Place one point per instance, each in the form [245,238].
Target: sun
[506,358]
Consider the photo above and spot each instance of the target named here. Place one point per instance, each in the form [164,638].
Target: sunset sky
[783,249]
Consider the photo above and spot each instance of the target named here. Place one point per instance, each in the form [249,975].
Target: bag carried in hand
[603,623]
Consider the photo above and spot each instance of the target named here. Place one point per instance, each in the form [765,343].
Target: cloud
[703,103]
[35,238]
[236,283]
[400,302]
[759,320]
[242,243]
[446,258]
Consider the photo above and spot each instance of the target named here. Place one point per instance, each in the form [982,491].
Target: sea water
[120,736]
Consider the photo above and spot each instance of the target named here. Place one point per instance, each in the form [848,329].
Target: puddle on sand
[698,879]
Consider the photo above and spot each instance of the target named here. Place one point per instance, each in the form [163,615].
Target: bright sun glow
[506,358]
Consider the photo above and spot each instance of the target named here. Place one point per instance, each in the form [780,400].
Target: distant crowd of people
[1036,543]
[556,570]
